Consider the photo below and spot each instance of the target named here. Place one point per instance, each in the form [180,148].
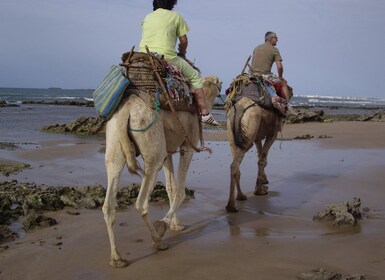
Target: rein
[202,148]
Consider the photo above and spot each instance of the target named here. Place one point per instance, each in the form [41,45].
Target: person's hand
[181,51]
[182,55]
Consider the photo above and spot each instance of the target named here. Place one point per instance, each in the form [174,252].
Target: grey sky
[329,47]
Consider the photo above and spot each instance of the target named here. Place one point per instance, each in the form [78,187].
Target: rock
[61,102]
[296,116]
[45,200]
[339,214]
[83,126]
[35,220]
[7,169]
[8,146]
[5,209]
[376,117]
[6,234]
[323,274]
[29,200]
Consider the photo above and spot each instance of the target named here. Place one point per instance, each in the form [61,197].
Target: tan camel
[156,146]
[248,124]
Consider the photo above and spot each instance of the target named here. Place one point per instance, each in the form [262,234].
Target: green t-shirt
[160,31]
[263,58]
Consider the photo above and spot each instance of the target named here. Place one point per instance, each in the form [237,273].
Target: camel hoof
[178,227]
[231,209]
[160,227]
[261,190]
[241,197]
[261,182]
[160,245]
[119,263]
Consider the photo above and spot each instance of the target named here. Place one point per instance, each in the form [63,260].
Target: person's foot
[280,104]
[209,119]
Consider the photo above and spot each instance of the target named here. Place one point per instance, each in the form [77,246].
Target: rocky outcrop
[376,117]
[83,125]
[323,274]
[29,201]
[7,169]
[297,116]
[343,213]
[85,103]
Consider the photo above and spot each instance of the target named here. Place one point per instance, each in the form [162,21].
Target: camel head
[212,87]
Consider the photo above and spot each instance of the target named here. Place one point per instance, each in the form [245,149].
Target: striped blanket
[108,94]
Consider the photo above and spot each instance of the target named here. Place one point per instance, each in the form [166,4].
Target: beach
[271,237]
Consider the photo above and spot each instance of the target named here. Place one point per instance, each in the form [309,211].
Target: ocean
[22,122]
[19,95]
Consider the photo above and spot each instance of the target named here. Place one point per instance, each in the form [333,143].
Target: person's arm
[183,43]
[279,68]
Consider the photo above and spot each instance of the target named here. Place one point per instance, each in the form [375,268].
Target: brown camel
[155,144]
[248,124]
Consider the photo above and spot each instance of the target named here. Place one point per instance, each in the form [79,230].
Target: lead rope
[202,148]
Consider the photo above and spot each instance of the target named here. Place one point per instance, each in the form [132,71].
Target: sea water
[22,122]
[19,95]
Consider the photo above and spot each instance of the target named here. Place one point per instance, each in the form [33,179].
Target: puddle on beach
[303,179]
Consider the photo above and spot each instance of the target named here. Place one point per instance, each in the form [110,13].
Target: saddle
[251,86]
[138,69]
[258,89]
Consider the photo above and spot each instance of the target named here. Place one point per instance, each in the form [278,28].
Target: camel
[248,123]
[156,144]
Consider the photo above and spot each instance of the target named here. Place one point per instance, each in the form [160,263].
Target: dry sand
[272,237]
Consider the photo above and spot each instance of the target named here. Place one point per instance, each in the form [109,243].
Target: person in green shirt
[160,31]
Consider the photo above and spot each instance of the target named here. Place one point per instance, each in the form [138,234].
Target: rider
[264,56]
[160,31]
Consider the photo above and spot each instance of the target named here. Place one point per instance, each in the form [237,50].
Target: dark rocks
[29,202]
[6,235]
[83,126]
[296,116]
[376,117]
[36,220]
[8,146]
[7,169]
[323,274]
[85,103]
[344,213]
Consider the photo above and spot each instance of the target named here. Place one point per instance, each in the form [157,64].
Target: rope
[173,109]
[157,109]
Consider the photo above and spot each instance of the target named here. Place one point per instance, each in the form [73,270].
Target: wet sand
[272,237]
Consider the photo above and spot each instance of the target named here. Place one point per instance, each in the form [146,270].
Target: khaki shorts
[188,72]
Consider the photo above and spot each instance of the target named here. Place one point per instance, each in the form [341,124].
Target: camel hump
[238,129]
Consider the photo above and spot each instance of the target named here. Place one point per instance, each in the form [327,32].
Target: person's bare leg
[285,90]
[200,100]
[206,116]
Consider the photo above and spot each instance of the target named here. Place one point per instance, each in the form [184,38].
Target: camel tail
[127,144]
[239,133]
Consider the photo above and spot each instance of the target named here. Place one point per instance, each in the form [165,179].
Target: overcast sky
[329,47]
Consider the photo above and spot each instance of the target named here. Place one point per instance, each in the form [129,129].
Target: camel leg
[235,178]
[178,190]
[151,169]
[171,187]
[114,162]
[260,188]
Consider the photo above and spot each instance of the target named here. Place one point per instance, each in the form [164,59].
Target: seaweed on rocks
[29,201]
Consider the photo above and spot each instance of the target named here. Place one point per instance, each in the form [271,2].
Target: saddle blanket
[109,93]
